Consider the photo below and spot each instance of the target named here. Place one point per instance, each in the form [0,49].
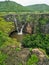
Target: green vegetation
[33,60]
[38,8]
[5,40]
[18,49]
[2,58]
[44,20]
[30,49]
[10,6]
[37,41]
[5,27]
[20,64]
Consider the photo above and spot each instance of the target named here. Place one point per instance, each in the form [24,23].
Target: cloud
[30,2]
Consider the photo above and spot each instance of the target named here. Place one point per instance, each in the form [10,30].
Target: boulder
[24,54]
[43,60]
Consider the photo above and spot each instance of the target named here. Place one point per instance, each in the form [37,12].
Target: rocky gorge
[26,41]
[31,22]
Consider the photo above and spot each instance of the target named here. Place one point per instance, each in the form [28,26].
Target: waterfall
[15,22]
[20,33]
[17,30]
[16,26]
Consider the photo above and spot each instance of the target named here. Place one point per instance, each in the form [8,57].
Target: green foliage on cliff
[37,41]
[5,26]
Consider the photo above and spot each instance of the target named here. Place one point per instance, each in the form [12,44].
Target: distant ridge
[38,7]
[10,6]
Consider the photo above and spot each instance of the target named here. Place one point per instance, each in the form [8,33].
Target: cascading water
[20,33]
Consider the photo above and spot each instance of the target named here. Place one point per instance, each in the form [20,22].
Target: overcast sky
[30,2]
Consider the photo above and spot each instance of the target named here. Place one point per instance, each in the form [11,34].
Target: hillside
[38,7]
[11,6]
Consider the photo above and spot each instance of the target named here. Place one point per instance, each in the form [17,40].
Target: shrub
[37,41]
[33,60]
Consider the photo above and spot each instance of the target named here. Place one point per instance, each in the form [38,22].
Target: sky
[30,2]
